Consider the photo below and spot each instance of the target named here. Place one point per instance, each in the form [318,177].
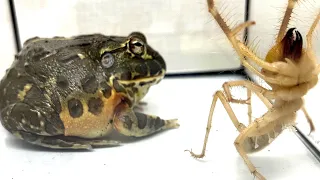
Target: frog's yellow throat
[87,123]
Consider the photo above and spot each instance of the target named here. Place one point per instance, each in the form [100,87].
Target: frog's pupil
[136,47]
[75,108]
[138,44]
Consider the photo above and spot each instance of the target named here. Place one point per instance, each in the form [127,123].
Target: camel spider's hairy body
[290,69]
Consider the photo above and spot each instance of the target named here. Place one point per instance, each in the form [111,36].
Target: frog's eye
[136,46]
[107,60]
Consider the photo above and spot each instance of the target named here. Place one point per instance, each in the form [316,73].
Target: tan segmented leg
[234,119]
[225,101]
[311,30]
[295,90]
[306,114]
[228,85]
[238,142]
[286,19]
[282,79]
[253,127]
[260,124]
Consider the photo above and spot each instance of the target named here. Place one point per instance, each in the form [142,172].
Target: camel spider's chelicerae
[290,69]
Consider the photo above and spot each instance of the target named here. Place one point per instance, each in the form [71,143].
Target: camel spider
[290,69]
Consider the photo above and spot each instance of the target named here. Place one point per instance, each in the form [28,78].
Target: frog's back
[44,76]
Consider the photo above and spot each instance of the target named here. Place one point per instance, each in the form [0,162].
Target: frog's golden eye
[136,46]
[107,60]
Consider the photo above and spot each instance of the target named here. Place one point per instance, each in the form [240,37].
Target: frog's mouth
[143,81]
[140,86]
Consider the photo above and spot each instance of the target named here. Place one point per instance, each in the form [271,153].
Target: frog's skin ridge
[69,92]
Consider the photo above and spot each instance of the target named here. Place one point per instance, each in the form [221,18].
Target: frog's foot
[130,123]
[63,142]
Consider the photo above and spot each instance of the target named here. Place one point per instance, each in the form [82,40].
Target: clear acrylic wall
[182,30]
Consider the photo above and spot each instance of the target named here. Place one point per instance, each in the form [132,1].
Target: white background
[191,41]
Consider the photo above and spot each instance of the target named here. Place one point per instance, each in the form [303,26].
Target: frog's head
[133,63]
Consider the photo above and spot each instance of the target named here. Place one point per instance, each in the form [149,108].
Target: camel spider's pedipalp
[290,69]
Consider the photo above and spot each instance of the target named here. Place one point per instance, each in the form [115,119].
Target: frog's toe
[171,124]
[53,142]
[63,142]
[99,143]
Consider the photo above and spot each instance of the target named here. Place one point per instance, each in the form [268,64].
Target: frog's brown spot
[153,67]
[106,89]
[62,82]
[118,87]
[95,105]
[142,120]
[141,70]
[75,108]
[89,84]
[34,118]
[126,75]
[89,125]
[158,123]
[23,93]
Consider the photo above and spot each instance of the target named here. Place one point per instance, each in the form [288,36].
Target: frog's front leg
[29,124]
[130,123]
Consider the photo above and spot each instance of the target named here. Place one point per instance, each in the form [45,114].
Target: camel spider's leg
[296,91]
[238,144]
[306,114]
[243,50]
[218,95]
[224,99]
[284,113]
[249,105]
[228,85]
[311,30]
[286,19]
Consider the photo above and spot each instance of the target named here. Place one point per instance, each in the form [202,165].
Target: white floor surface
[162,156]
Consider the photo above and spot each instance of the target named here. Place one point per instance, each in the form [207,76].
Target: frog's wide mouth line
[145,80]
